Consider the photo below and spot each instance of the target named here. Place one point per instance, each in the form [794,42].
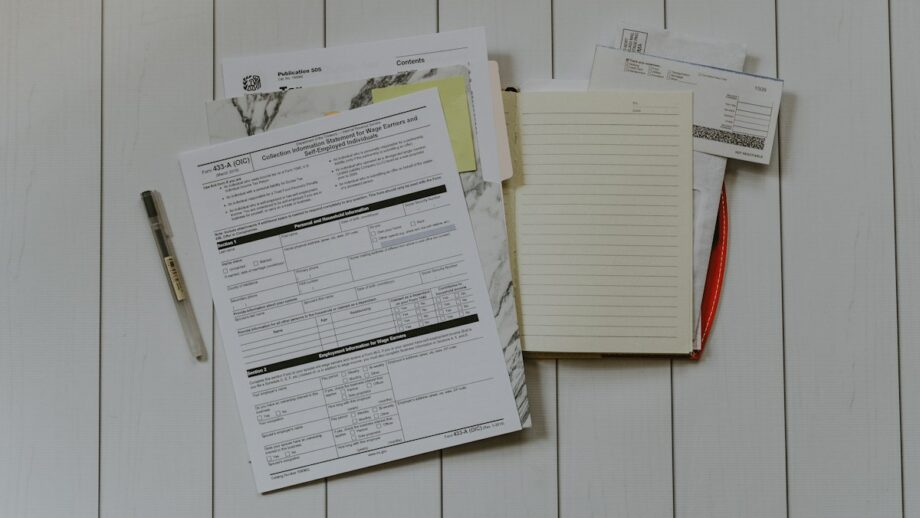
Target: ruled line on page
[602,222]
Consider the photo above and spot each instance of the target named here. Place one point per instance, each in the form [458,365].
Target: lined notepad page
[602,210]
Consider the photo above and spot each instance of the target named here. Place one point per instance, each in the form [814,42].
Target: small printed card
[734,114]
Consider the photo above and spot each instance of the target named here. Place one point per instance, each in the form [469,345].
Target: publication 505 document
[349,291]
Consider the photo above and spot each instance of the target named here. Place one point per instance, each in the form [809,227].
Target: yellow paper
[452,92]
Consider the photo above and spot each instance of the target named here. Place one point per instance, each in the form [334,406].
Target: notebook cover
[714,276]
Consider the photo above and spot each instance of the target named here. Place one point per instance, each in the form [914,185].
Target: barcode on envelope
[728,137]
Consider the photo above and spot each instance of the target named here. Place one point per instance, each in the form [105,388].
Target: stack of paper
[372,282]
[359,263]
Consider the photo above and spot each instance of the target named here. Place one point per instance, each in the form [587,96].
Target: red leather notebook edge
[715,275]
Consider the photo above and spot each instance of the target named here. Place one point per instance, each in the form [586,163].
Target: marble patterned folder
[255,113]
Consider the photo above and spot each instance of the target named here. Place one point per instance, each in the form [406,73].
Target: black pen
[161,234]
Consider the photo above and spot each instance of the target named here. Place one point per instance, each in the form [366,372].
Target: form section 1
[349,291]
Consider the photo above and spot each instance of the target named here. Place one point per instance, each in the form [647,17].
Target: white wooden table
[806,404]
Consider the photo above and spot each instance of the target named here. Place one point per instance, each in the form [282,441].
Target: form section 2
[328,283]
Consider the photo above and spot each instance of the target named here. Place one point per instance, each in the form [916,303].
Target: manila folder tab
[501,127]
[602,216]
[454,102]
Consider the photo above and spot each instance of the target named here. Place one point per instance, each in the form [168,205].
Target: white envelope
[734,114]
[708,170]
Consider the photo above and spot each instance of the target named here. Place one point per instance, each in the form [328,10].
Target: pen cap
[153,203]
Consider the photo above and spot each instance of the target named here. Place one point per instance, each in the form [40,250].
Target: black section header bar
[328,218]
[361,346]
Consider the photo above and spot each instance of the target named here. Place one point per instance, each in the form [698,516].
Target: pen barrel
[182,301]
[180,296]
[170,264]
[192,331]
[174,275]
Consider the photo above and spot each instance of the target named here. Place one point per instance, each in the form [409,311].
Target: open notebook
[600,209]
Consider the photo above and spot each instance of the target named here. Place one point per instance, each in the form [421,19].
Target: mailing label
[734,114]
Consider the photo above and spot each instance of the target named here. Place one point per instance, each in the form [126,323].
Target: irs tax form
[341,78]
[349,292]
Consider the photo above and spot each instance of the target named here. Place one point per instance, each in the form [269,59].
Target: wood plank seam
[782,284]
[897,270]
[552,72]
[101,247]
